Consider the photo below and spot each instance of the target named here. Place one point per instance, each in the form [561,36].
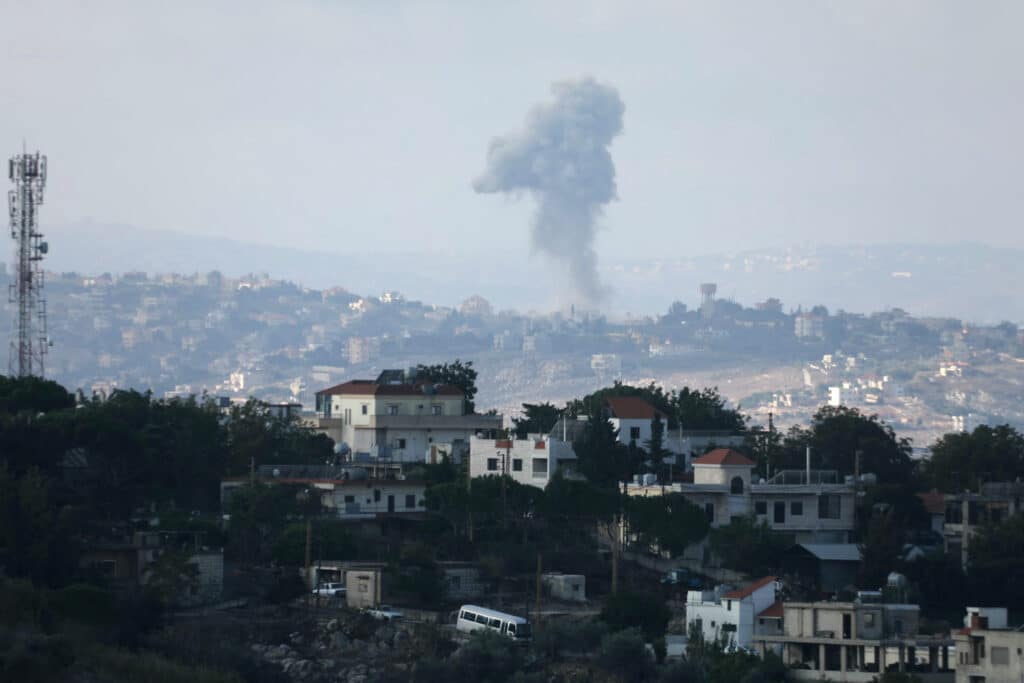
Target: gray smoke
[561,156]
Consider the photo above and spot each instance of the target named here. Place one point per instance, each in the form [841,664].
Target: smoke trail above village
[561,157]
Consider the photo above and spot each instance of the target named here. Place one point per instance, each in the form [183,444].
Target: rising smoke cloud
[561,157]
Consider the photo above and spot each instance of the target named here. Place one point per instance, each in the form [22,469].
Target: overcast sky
[360,126]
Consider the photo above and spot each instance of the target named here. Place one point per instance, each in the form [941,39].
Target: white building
[632,417]
[810,506]
[987,649]
[729,616]
[351,498]
[532,461]
[399,419]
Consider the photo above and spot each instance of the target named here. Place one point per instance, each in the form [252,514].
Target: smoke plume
[561,156]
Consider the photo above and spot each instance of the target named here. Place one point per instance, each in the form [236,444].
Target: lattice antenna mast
[28,350]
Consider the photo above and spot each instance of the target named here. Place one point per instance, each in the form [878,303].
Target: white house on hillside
[532,461]
[632,417]
[811,506]
[729,616]
[399,418]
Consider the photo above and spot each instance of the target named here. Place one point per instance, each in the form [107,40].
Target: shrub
[625,656]
[645,611]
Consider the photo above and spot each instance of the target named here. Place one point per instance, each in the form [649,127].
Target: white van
[472,618]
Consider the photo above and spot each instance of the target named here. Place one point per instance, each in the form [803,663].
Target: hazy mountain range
[969,281]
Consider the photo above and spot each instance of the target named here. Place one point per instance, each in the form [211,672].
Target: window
[400,444]
[364,408]
[634,433]
[779,514]
[796,507]
[517,464]
[376,495]
[728,605]
[761,507]
[709,511]
[410,500]
[393,409]
[728,628]
[494,623]
[829,506]
[736,486]
[436,410]
[455,583]
[348,416]
[540,467]
[492,464]
[350,499]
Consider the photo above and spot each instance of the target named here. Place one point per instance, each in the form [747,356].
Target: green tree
[624,655]
[655,447]
[600,457]
[838,434]
[644,611]
[748,546]
[881,549]
[538,418]
[995,563]
[962,461]
[172,576]
[329,541]
[33,395]
[458,374]
[670,521]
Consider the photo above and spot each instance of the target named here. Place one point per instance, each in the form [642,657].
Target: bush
[554,638]
[683,672]
[645,611]
[84,603]
[625,656]
[285,588]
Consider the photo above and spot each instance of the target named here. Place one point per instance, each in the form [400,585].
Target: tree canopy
[457,373]
[697,409]
[964,460]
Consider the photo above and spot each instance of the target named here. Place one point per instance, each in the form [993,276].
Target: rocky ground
[352,648]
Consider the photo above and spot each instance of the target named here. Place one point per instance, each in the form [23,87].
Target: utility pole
[309,551]
[539,569]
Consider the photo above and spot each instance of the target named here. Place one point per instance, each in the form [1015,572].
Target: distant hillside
[970,281]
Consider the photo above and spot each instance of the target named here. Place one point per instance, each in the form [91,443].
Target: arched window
[737,485]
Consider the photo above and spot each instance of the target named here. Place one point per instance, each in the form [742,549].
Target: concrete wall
[357,497]
[530,461]
[362,588]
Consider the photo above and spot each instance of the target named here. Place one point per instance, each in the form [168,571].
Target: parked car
[682,578]
[330,589]
[384,613]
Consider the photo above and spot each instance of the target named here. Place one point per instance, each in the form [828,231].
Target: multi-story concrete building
[987,650]
[399,418]
[851,641]
[967,512]
[532,461]
[729,616]
[810,506]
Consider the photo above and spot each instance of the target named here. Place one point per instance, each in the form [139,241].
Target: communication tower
[28,350]
[707,299]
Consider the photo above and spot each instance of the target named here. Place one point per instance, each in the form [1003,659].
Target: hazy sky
[360,126]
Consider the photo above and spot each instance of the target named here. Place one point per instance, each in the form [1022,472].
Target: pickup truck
[330,589]
[384,613]
[683,579]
